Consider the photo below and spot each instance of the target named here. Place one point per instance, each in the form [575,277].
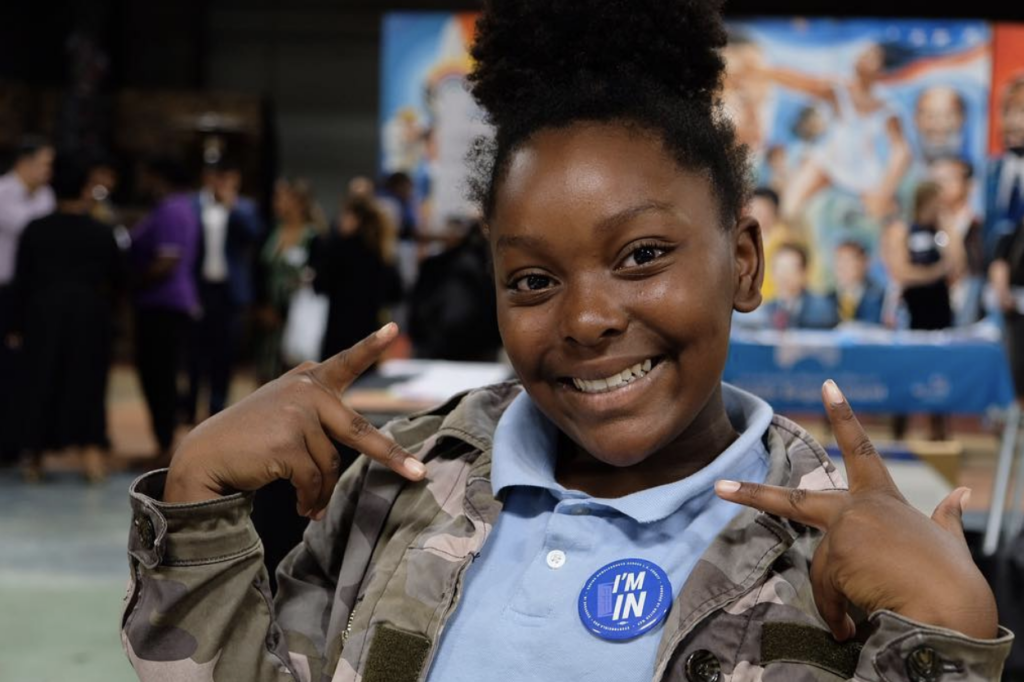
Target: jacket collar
[796,459]
[736,561]
[744,552]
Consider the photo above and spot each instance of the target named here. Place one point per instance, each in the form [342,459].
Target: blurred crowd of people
[209,280]
[927,275]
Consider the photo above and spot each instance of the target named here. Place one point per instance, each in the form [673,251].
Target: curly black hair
[650,64]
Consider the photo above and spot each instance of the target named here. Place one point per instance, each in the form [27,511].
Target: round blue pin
[625,599]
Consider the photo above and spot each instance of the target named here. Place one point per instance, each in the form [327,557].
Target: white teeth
[615,381]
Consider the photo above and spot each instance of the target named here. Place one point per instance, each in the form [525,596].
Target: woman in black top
[921,259]
[925,285]
[69,272]
[354,268]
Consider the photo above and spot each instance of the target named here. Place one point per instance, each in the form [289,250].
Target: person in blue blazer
[857,297]
[794,307]
[231,229]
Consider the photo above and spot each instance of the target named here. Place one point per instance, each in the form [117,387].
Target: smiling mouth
[615,381]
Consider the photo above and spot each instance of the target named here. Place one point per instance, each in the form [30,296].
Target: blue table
[882,371]
[878,371]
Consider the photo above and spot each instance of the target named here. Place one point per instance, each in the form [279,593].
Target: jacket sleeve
[198,606]
[902,650]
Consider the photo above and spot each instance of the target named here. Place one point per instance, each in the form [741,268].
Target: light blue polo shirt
[518,616]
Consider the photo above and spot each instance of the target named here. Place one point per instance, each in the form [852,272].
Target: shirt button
[580,510]
[556,558]
[923,665]
[703,666]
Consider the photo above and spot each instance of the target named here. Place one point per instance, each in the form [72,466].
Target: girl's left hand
[878,552]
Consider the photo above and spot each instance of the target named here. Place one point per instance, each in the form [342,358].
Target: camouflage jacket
[367,594]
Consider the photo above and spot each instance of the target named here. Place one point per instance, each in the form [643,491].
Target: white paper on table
[435,380]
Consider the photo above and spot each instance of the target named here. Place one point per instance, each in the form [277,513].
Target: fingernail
[964,499]
[725,486]
[386,331]
[833,394]
[415,467]
[850,627]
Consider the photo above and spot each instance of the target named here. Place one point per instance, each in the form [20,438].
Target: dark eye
[532,283]
[642,255]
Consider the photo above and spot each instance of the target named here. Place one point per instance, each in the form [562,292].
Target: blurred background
[196,196]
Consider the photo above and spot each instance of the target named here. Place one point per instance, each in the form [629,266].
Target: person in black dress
[68,274]
[921,259]
[925,276]
[355,269]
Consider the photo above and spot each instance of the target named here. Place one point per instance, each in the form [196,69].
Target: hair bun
[527,50]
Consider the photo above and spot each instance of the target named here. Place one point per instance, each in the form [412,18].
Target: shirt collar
[208,201]
[525,447]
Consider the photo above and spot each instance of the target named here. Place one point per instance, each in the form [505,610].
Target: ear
[749,260]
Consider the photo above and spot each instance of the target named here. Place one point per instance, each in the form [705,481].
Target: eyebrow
[627,214]
[506,242]
[604,225]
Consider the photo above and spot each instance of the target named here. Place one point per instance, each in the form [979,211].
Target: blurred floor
[63,569]
[63,573]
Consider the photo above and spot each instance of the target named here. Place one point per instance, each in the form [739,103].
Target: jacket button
[144,525]
[703,666]
[924,665]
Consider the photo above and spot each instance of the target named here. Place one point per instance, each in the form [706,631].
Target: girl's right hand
[284,430]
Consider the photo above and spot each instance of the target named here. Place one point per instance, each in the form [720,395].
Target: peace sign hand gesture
[284,430]
[878,552]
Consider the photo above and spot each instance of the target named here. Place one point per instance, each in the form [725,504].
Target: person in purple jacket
[164,249]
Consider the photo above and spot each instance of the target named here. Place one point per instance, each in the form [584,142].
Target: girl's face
[616,285]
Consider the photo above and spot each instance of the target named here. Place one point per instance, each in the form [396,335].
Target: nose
[591,314]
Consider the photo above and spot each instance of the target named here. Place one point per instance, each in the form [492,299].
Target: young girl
[566,526]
